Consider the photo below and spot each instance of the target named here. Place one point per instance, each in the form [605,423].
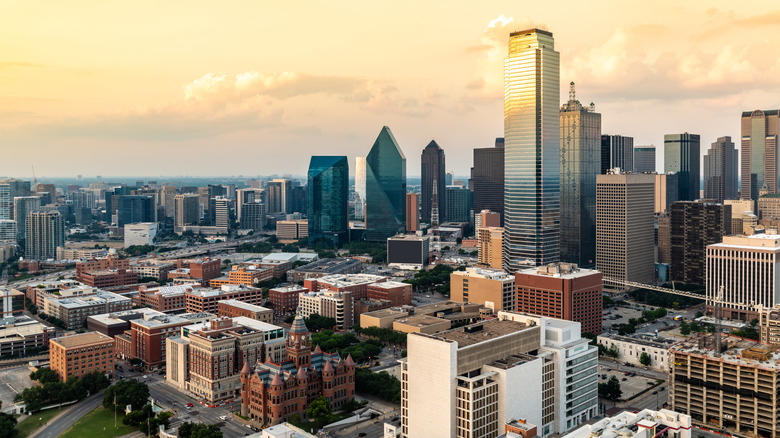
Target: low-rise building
[22,335]
[421,324]
[383,318]
[323,267]
[408,249]
[73,311]
[204,299]
[365,306]
[355,283]
[142,233]
[643,424]
[292,230]
[235,308]
[630,349]
[165,298]
[109,278]
[330,304]
[492,288]
[11,302]
[285,298]
[246,275]
[112,324]
[79,253]
[203,269]
[154,268]
[76,355]
[56,290]
[397,293]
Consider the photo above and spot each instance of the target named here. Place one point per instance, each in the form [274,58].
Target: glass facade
[360,188]
[760,130]
[328,203]
[487,179]
[681,155]
[131,209]
[385,188]
[531,150]
[720,171]
[432,170]
[580,163]
[617,151]
[458,204]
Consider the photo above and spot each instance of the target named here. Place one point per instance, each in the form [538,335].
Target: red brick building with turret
[271,393]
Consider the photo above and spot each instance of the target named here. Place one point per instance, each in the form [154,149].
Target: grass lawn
[32,422]
[99,424]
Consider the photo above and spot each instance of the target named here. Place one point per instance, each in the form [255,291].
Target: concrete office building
[463,382]
[532,150]
[617,152]
[682,156]
[667,186]
[245,196]
[746,268]
[202,299]
[73,311]
[737,389]
[624,226]
[412,212]
[22,335]
[8,232]
[769,206]
[740,208]
[44,232]
[720,171]
[489,244]
[694,225]
[759,154]
[292,230]
[186,210]
[492,288]
[644,159]
[142,233]
[561,290]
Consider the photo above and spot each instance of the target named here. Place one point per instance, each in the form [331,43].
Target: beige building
[736,391]
[492,288]
[739,208]
[292,230]
[666,191]
[381,318]
[769,206]
[664,239]
[624,226]
[489,243]
[177,351]
[332,304]
[421,324]
[747,269]
[630,349]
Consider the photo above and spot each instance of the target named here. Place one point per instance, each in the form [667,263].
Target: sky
[174,88]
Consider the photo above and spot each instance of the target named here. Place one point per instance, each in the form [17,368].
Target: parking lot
[13,381]
[631,385]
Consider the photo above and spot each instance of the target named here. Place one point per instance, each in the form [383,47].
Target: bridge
[624,283]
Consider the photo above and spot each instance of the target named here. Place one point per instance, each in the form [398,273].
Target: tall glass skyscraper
[328,204]
[721,171]
[360,188]
[487,178]
[432,170]
[385,188]
[580,163]
[681,155]
[759,152]
[531,151]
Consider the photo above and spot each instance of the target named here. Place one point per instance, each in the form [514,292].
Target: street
[63,423]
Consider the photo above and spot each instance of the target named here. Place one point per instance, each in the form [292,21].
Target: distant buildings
[130,209]
[682,156]
[644,159]
[459,207]
[328,203]
[489,244]
[433,172]
[385,188]
[720,171]
[487,218]
[360,188]
[44,232]
[667,188]
[186,210]
[76,355]
[22,206]
[694,225]
[759,152]
[487,179]
[617,151]
[532,150]
[292,230]
[142,233]
[492,288]
[408,250]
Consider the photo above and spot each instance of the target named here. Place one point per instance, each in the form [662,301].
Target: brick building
[246,275]
[205,299]
[77,355]
[101,264]
[285,299]
[109,278]
[164,298]
[355,283]
[234,308]
[561,290]
[148,336]
[154,268]
[397,293]
[272,392]
[204,268]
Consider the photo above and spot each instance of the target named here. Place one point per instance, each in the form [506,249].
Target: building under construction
[734,388]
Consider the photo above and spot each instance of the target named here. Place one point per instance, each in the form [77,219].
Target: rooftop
[480,332]
[762,240]
[512,361]
[559,270]
[490,274]
[346,280]
[157,321]
[389,285]
[737,351]
[420,320]
[124,316]
[656,343]
[291,288]
[243,305]
[409,237]
[327,265]
[82,339]
[384,313]
[100,298]
[168,291]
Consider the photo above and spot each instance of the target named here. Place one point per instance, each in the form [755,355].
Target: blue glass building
[385,188]
[328,199]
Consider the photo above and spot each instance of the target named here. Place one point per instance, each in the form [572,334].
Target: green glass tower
[385,188]
[328,203]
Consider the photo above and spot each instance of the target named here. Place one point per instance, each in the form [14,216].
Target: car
[627,373]
[362,434]
[223,417]
[655,392]
[661,388]
[146,377]
[632,375]
[624,379]
[189,405]
[650,383]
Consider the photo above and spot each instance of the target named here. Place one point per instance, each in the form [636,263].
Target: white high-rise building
[531,150]
[360,187]
[470,381]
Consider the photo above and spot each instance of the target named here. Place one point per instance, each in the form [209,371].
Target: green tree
[611,389]
[381,384]
[319,410]
[199,430]
[127,392]
[685,329]
[8,426]
[45,375]
[645,359]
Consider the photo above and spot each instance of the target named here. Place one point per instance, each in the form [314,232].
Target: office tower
[167,194]
[44,232]
[769,206]
[694,225]
[187,211]
[433,172]
[9,189]
[492,288]
[84,198]
[490,241]
[532,150]
[360,188]
[644,159]
[300,199]
[624,226]
[221,213]
[408,250]
[243,196]
[22,206]
[580,163]
[8,232]
[449,178]
[759,152]
[487,179]
[667,187]
[412,212]
[279,196]
[617,151]
[253,216]
[720,171]
[132,209]
[5,201]
[681,155]
[328,209]
[458,204]
[486,218]
[561,290]
[664,238]
[470,381]
[385,188]
[740,209]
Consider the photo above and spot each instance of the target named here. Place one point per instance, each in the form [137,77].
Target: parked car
[624,379]
[189,405]
[223,417]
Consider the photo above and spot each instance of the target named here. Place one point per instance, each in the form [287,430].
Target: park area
[32,423]
[99,424]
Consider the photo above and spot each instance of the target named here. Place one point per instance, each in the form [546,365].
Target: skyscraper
[186,208]
[167,194]
[433,171]
[279,195]
[44,232]
[412,212]
[360,188]
[720,171]
[681,155]
[243,196]
[487,178]
[617,151]
[759,152]
[532,150]
[458,204]
[693,226]
[9,189]
[580,163]
[131,209]
[328,204]
[22,206]
[385,188]
[644,159]
[219,209]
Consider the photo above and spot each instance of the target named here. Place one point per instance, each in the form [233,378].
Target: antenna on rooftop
[572,96]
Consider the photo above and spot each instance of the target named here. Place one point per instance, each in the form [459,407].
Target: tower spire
[572,94]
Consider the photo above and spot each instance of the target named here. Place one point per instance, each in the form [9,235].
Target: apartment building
[235,308]
[490,242]
[331,304]
[165,298]
[203,299]
[23,335]
[243,275]
[492,288]
[76,355]
[79,253]
[112,261]
[203,269]
[109,278]
[154,268]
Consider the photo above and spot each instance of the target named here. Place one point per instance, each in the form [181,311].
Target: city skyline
[174,88]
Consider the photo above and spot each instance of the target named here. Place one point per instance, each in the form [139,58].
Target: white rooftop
[346,280]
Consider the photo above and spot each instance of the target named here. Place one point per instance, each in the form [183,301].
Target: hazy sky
[191,87]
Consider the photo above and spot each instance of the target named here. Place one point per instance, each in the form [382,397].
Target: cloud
[9,65]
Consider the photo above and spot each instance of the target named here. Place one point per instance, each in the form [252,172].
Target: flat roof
[157,321]
[292,288]
[101,297]
[420,320]
[384,313]
[737,349]
[491,329]
[247,306]
[660,343]
[389,284]
[116,317]
[410,237]
[345,280]
[559,270]
[326,265]
[82,339]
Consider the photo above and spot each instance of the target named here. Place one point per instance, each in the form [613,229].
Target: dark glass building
[328,203]
[487,179]
[720,171]
[458,204]
[694,225]
[385,188]
[617,151]
[681,155]
[433,171]
[132,209]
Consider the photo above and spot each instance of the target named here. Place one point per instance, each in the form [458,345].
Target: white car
[223,417]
